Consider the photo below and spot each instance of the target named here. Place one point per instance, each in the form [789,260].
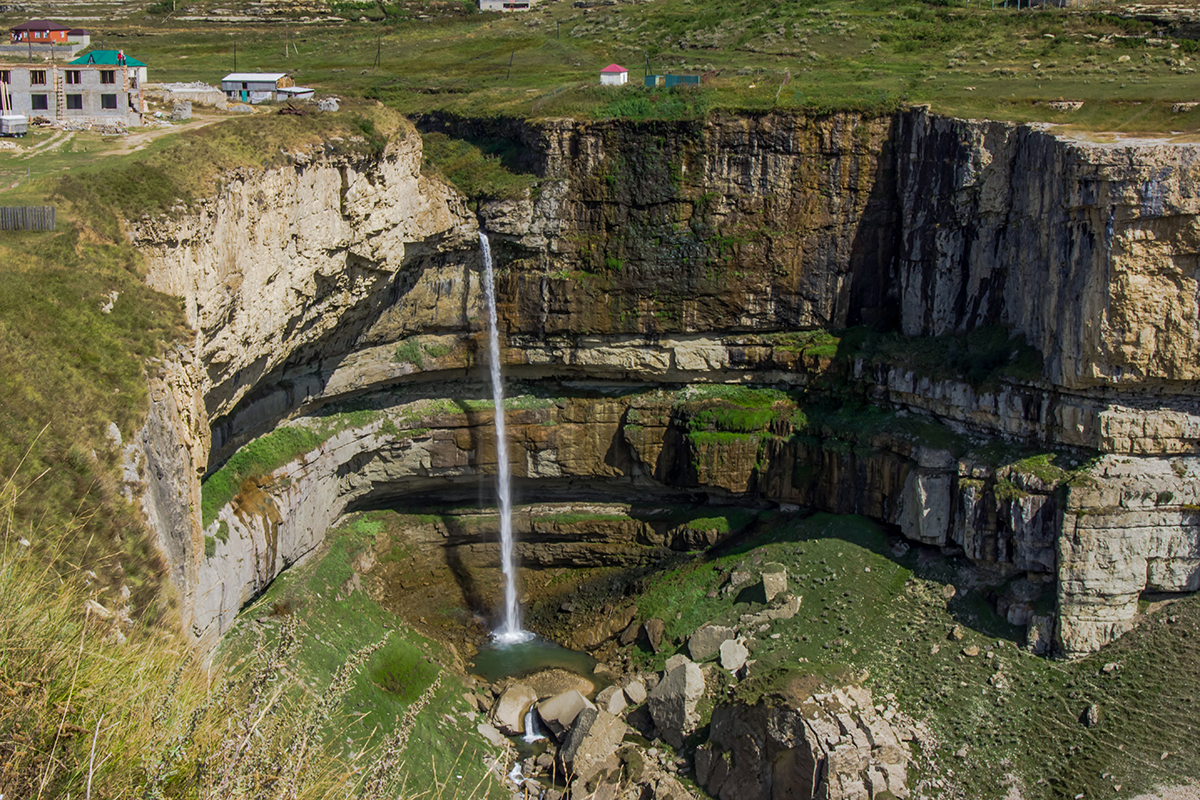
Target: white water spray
[510,631]
[532,734]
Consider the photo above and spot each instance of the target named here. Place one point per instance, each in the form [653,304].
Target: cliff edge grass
[80,329]
[94,705]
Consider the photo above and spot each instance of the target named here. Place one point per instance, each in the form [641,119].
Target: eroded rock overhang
[658,255]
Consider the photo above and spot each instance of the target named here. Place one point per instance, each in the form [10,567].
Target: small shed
[294,93]
[614,75]
[256,87]
[672,80]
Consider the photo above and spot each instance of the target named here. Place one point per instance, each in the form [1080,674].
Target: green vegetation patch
[982,357]
[336,619]
[260,457]
[474,171]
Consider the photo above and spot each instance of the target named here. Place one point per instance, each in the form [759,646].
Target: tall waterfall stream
[510,630]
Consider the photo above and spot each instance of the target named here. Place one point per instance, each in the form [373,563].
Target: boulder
[612,700]
[592,740]
[635,691]
[733,654]
[737,579]
[673,702]
[508,714]
[675,661]
[704,643]
[654,633]
[774,580]
[559,712]
[835,746]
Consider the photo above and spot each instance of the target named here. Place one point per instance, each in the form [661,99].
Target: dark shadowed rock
[654,633]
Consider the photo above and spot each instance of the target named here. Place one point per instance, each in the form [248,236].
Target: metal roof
[614,68]
[108,58]
[39,25]
[254,77]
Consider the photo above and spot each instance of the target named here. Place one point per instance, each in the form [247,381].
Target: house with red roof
[614,75]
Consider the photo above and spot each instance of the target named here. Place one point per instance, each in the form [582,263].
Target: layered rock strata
[693,252]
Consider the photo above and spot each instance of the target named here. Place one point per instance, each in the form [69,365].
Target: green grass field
[755,54]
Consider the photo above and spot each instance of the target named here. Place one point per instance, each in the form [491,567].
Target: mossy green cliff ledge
[343,296]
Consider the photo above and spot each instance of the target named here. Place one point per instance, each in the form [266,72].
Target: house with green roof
[94,93]
[117,58]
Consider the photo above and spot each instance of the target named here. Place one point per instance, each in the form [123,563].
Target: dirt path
[136,141]
[57,140]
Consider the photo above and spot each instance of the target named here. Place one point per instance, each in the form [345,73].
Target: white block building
[614,75]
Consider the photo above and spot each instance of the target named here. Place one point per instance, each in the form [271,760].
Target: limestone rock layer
[342,296]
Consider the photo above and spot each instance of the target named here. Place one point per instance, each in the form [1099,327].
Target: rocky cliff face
[284,266]
[660,255]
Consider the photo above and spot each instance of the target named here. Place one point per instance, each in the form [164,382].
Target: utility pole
[510,60]
[235,55]
[379,51]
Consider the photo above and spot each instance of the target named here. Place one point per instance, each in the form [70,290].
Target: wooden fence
[26,218]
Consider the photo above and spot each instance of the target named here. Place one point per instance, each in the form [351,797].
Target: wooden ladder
[60,98]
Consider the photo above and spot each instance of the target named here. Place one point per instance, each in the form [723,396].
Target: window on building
[108,101]
[37,77]
[74,102]
[133,81]
[39,102]
[73,77]
[108,76]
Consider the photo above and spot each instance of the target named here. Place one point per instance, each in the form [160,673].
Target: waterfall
[510,631]
[532,734]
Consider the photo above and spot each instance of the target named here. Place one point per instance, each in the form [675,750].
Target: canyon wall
[344,295]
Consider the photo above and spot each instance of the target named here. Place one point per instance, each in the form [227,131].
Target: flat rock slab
[490,733]
[559,712]
[551,682]
[592,740]
[706,642]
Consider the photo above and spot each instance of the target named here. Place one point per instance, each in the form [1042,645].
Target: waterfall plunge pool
[496,661]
